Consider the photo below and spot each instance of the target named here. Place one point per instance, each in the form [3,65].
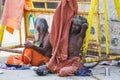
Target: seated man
[37,52]
[76,36]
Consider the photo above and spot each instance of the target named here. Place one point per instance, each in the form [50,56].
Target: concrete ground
[98,73]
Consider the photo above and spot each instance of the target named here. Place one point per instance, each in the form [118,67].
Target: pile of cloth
[10,67]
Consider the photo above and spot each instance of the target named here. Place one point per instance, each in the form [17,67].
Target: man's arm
[33,46]
[83,30]
[82,34]
[43,50]
[46,49]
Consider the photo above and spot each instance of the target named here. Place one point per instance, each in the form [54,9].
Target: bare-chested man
[41,42]
[36,52]
[76,35]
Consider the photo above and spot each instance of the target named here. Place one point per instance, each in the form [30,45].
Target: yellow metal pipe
[90,20]
[20,34]
[46,5]
[106,27]
[25,24]
[2,27]
[81,2]
[88,60]
[117,5]
[98,30]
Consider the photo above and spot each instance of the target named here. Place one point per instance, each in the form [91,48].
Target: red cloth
[60,31]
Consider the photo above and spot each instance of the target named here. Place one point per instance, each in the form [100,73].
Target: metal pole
[106,27]
[90,20]
[2,27]
[117,5]
[98,29]
[0,8]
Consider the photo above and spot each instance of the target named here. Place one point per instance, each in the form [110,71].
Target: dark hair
[79,20]
[42,23]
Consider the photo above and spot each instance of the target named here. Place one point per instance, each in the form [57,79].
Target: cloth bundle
[83,72]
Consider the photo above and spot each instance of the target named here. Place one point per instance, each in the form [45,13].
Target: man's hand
[85,25]
[29,45]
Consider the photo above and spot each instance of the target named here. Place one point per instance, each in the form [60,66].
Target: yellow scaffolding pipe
[117,5]
[108,58]
[98,29]
[90,20]
[20,34]
[106,27]
[2,27]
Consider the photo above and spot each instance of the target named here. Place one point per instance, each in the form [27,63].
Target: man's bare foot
[42,70]
[42,67]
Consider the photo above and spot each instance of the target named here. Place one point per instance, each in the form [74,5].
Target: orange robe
[29,56]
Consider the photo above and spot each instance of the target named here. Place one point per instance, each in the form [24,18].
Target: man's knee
[66,71]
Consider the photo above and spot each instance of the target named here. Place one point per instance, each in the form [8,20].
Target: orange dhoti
[29,56]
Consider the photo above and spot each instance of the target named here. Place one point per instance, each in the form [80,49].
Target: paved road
[98,71]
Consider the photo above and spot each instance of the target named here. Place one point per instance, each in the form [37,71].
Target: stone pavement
[98,72]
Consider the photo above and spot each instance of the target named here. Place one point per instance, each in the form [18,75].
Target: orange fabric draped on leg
[29,56]
[60,32]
